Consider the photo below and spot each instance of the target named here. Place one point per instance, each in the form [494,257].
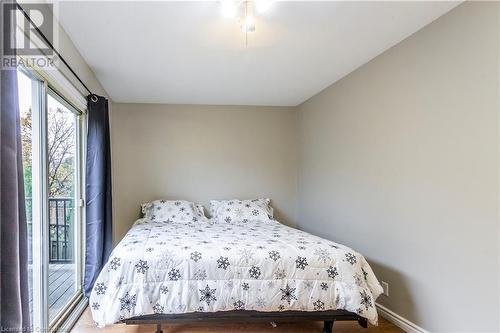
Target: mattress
[164,267]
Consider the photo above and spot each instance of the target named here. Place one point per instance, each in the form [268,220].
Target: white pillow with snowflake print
[175,211]
[229,211]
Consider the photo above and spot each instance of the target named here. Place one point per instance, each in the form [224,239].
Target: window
[52,155]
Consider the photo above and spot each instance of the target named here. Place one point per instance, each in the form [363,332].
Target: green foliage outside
[60,153]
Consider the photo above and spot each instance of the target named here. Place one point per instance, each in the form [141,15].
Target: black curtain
[14,287]
[98,190]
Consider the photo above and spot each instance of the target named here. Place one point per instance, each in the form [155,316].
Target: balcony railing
[61,228]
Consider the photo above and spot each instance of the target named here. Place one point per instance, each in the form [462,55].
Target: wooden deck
[62,287]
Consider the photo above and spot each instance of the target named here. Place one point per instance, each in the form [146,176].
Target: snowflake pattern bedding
[164,267]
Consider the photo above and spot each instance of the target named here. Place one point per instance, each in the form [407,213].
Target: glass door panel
[29,92]
[62,161]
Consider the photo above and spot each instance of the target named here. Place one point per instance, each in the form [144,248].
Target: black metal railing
[61,224]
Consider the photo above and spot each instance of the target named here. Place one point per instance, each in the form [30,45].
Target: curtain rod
[53,49]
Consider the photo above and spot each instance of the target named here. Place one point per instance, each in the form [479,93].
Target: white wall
[76,61]
[200,153]
[400,160]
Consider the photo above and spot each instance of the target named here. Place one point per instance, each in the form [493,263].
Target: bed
[164,271]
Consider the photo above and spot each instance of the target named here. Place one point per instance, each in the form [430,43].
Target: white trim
[399,321]
[71,320]
[55,76]
[64,86]
[37,159]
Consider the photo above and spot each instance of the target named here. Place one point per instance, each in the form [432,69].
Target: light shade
[248,25]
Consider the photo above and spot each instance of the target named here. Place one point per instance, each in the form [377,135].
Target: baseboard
[399,321]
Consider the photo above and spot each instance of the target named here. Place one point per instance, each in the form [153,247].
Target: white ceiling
[187,53]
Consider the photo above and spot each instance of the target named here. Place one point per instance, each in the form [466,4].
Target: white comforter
[162,267]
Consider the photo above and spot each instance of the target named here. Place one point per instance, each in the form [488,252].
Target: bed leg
[328,326]
[363,322]
[158,328]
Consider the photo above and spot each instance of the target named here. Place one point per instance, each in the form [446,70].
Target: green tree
[26,129]
[60,152]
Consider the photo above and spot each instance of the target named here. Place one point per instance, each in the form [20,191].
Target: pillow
[173,211]
[228,211]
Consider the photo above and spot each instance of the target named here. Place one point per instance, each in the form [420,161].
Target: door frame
[42,87]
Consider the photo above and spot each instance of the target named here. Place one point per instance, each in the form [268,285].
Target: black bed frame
[328,317]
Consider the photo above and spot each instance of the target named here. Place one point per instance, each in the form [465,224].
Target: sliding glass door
[52,162]
[63,240]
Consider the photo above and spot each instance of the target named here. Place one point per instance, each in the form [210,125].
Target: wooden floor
[85,325]
[61,287]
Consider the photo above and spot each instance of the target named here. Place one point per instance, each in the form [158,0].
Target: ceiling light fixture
[248,21]
[243,10]
[248,25]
